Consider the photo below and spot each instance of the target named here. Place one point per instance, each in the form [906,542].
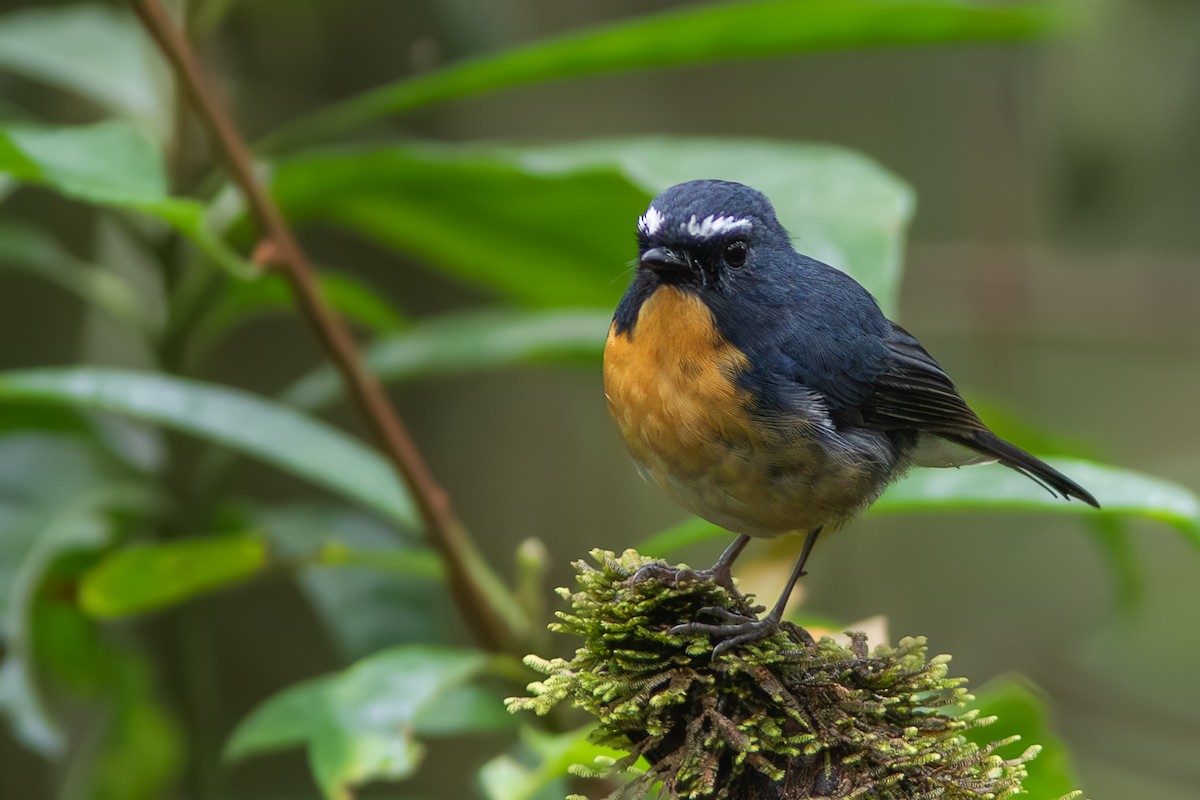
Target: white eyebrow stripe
[715,226]
[650,222]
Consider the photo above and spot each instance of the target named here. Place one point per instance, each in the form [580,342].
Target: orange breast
[670,384]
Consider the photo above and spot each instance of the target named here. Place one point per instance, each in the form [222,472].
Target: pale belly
[688,427]
[800,490]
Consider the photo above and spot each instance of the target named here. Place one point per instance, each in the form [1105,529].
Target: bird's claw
[739,630]
[677,575]
[742,631]
[661,572]
[732,617]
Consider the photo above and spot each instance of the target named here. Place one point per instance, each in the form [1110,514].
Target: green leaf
[110,165]
[412,563]
[126,743]
[365,727]
[242,301]
[1121,492]
[148,576]
[466,342]
[1021,710]
[25,248]
[282,722]
[370,588]
[98,52]
[553,225]
[270,431]
[1116,545]
[359,302]
[141,749]
[702,34]
[20,701]
[677,537]
[40,521]
[360,724]
[464,709]
[476,214]
[513,778]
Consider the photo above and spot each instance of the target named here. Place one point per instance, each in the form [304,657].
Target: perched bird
[766,392]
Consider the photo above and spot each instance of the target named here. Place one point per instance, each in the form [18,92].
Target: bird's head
[710,236]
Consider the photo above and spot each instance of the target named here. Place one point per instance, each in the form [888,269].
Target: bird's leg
[720,573]
[740,631]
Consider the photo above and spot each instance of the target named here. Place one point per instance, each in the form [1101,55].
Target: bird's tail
[1030,466]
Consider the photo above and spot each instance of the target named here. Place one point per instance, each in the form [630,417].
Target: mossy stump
[780,719]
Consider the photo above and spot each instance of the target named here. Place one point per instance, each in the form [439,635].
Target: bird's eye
[735,254]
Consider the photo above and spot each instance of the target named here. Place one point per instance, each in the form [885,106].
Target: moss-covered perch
[779,719]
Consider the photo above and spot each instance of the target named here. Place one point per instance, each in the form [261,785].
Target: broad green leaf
[251,425]
[148,576]
[465,342]
[1122,493]
[544,238]
[1116,544]
[20,701]
[365,728]
[135,745]
[554,224]
[465,708]
[1019,709]
[369,587]
[359,302]
[126,446]
[98,52]
[412,562]
[677,537]
[690,35]
[40,521]
[28,249]
[361,724]
[282,722]
[141,749]
[509,777]
[110,165]
[242,301]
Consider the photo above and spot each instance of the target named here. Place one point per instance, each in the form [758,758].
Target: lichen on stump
[783,718]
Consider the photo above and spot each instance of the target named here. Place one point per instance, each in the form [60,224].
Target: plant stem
[471,583]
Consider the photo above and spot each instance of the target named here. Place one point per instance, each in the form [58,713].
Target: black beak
[666,260]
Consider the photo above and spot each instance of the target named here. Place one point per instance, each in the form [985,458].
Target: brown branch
[468,575]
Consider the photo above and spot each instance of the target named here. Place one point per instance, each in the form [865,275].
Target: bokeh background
[1053,268]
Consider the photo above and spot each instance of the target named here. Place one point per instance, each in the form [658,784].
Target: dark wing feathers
[913,392]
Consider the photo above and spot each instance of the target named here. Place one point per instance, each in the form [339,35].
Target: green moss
[780,718]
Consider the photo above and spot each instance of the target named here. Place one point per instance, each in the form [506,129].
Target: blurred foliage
[109,520]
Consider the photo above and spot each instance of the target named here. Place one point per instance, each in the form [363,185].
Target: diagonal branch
[478,593]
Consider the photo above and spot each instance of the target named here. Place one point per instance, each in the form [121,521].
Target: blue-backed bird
[766,392]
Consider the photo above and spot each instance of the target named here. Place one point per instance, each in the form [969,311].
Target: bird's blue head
[710,236]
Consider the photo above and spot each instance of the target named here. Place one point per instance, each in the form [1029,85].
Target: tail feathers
[1031,467]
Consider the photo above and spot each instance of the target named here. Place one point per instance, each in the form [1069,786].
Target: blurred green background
[1051,267]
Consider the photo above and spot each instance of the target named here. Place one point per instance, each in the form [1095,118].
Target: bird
[767,392]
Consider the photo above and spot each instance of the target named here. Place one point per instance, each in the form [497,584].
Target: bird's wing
[913,392]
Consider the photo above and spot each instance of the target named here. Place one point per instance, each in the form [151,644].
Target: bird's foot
[674,576]
[736,629]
